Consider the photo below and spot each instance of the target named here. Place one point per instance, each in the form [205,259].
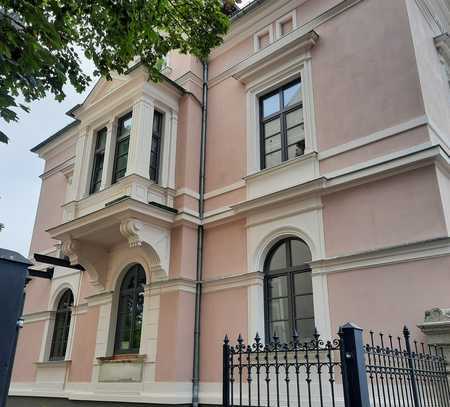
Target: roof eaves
[54,136]
[247,9]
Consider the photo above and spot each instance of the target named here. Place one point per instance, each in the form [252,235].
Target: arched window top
[286,254]
[289,292]
[62,326]
[130,309]
[66,301]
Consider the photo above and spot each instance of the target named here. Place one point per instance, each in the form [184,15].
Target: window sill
[291,173]
[53,363]
[132,358]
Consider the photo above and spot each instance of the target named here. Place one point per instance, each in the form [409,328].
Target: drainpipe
[200,238]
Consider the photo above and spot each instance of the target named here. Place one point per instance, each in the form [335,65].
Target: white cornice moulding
[265,15]
[405,253]
[288,47]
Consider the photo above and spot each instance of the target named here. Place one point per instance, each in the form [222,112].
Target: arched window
[129,313]
[288,288]
[62,326]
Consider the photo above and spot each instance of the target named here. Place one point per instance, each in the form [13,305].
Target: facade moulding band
[240,30]
[409,252]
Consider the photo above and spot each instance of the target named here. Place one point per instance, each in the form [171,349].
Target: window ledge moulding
[442,43]
[278,52]
[53,363]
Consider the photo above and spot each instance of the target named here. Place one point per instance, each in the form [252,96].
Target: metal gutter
[200,240]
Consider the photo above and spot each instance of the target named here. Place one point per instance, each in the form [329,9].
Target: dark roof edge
[54,136]
[245,10]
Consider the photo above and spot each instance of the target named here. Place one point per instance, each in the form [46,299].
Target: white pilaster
[255,308]
[141,138]
[82,164]
[110,149]
[170,157]
[150,320]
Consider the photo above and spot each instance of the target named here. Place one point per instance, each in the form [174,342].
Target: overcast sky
[20,169]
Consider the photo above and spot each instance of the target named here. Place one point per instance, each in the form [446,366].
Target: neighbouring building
[318,193]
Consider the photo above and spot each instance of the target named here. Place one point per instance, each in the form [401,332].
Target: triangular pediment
[102,88]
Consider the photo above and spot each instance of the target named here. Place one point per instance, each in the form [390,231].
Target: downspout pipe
[200,239]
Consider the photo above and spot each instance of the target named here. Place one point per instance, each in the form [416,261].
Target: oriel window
[61,326]
[99,158]
[122,145]
[155,153]
[130,310]
[282,125]
[289,293]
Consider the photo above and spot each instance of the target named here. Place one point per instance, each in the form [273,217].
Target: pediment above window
[287,49]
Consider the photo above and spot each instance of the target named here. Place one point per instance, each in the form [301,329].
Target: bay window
[122,145]
[99,158]
[155,153]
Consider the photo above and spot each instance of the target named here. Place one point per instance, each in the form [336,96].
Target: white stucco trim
[299,67]
[279,23]
[261,33]
[301,219]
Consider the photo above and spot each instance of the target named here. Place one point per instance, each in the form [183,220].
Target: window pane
[296,150]
[292,95]
[271,105]
[295,134]
[294,118]
[305,328]
[272,144]
[122,148]
[278,287]
[271,128]
[101,139]
[122,163]
[278,260]
[303,283]
[281,328]
[273,159]
[125,128]
[300,253]
[279,309]
[304,307]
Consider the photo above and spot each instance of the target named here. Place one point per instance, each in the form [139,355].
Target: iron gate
[391,372]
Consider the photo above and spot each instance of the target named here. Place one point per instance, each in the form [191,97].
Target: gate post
[356,390]
[412,373]
[226,373]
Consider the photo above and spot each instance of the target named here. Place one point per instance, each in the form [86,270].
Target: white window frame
[257,36]
[279,23]
[298,68]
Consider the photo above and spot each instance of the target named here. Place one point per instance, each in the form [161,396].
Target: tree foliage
[40,41]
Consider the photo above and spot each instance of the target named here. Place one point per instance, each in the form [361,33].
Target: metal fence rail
[301,373]
[388,372]
[401,373]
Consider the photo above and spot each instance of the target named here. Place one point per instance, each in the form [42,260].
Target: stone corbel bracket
[91,257]
[154,239]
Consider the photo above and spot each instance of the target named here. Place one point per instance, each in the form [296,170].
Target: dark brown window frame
[155,149]
[282,113]
[138,272]
[63,316]
[289,272]
[99,161]
[119,140]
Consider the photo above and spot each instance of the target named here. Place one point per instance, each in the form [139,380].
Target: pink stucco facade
[370,197]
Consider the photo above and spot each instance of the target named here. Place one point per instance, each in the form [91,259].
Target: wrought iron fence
[338,372]
[298,373]
[401,373]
